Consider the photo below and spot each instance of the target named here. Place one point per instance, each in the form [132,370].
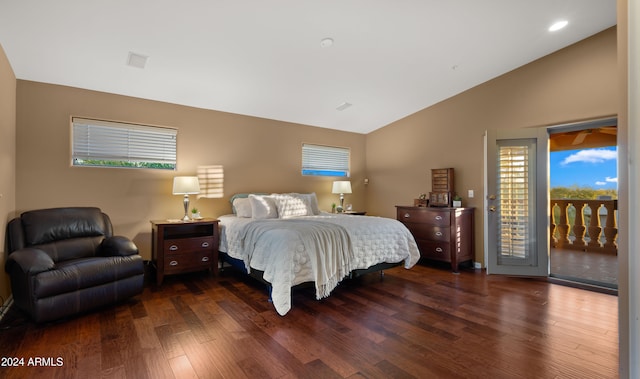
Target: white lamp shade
[341,186]
[186,185]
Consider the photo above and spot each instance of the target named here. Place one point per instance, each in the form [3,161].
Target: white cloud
[590,156]
[607,180]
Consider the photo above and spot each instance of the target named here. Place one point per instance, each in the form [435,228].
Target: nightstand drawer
[176,263]
[188,244]
[431,217]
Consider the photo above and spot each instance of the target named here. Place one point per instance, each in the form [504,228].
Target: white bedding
[321,249]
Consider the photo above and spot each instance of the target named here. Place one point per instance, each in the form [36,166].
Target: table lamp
[186,185]
[341,187]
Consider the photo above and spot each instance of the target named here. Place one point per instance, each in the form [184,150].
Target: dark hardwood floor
[420,323]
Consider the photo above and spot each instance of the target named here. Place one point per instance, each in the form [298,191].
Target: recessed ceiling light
[326,42]
[136,60]
[558,25]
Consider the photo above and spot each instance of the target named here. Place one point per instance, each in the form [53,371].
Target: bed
[285,240]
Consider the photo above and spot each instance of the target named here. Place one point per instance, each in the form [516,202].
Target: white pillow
[312,200]
[292,205]
[242,206]
[263,206]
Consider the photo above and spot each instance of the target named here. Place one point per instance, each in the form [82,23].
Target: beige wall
[257,155]
[7,158]
[576,83]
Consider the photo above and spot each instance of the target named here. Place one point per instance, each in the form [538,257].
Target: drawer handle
[406,215]
[205,244]
[438,250]
[173,247]
[439,234]
[439,218]
[205,259]
[173,263]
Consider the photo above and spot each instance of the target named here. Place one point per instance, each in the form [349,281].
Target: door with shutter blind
[516,203]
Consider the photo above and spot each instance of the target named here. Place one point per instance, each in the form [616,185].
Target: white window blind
[115,144]
[325,160]
[516,194]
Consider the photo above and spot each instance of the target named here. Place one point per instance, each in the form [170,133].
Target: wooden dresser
[442,234]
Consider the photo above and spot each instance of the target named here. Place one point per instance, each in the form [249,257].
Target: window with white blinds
[325,160]
[516,195]
[100,143]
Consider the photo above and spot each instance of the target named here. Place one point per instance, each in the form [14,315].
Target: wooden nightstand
[179,247]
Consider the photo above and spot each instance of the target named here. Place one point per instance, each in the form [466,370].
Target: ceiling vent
[137,60]
[343,106]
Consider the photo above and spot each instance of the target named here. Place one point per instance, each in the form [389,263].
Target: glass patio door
[516,217]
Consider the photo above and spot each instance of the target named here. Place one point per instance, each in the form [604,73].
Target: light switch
[470,194]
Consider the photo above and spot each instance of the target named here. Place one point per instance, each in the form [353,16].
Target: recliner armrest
[117,246]
[30,261]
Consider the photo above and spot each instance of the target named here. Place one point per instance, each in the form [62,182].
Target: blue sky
[595,168]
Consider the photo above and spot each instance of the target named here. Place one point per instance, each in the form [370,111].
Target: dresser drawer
[439,251]
[430,216]
[187,261]
[429,232]
[188,244]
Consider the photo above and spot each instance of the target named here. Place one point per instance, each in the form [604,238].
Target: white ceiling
[263,58]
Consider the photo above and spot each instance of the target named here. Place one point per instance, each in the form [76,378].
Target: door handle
[492,208]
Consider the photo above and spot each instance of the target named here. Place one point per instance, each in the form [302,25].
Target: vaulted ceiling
[350,65]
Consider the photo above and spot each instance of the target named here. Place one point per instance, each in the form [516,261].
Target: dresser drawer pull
[439,234]
[439,218]
[438,250]
[205,259]
[407,215]
[173,263]
[205,244]
[173,247]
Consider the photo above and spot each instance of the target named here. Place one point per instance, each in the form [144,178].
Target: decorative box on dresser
[442,234]
[179,247]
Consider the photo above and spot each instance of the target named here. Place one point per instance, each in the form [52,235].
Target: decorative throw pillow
[242,207]
[263,206]
[292,205]
[312,200]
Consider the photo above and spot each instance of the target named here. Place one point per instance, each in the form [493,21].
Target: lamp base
[185,202]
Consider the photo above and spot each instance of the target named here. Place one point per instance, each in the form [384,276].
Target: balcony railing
[574,227]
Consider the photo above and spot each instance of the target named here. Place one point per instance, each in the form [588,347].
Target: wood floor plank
[181,368]
[425,323]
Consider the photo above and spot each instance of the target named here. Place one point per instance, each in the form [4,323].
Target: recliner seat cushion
[73,275]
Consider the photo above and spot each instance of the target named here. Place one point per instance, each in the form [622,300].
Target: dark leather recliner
[64,261]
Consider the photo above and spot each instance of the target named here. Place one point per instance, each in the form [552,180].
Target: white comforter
[321,249]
